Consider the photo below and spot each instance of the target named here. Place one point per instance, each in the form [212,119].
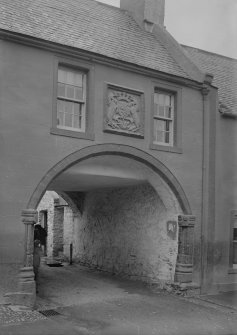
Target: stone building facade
[112,114]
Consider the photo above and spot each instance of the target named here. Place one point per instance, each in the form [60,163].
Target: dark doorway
[44,224]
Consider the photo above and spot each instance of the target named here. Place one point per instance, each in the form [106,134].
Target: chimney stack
[147,13]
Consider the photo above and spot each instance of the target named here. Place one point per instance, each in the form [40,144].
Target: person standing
[39,240]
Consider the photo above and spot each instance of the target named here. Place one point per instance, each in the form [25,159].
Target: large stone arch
[112,149]
[173,195]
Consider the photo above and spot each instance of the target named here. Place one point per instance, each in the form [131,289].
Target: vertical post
[29,218]
[208,184]
[26,293]
[184,265]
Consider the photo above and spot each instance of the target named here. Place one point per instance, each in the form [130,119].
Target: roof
[90,26]
[224,70]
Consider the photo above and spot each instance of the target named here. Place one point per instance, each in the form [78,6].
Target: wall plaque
[124,111]
[172,229]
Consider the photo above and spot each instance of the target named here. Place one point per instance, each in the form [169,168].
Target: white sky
[205,24]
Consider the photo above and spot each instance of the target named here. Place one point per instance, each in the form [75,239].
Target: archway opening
[111,212]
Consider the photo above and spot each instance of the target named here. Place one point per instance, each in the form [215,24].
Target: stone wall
[47,203]
[58,223]
[124,231]
[68,233]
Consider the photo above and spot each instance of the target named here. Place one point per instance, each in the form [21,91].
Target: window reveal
[71,99]
[163,118]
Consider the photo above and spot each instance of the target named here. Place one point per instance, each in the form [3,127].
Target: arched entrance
[108,150]
[115,165]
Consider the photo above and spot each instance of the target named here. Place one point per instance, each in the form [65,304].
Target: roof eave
[88,55]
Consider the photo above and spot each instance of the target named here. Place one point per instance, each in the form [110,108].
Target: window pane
[62,74]
[70,92]
[70,78]
[159,130]
[163,105]
[60,119]
[68,120]
[160,137]
[156,102]
[77,109]
[167,137]
[168,111]
[61,106]
[61,90]
[161,124]
[161,111]
[167,100]
[167,125]
[161,100]
[78,93]
[76,122]
[156,98]
[78,117]
[78,79]
[69,107]
[162,131]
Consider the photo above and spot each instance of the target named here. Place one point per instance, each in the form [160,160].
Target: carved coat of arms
[123,112]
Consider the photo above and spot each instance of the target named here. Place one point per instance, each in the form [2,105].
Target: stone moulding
[123,111]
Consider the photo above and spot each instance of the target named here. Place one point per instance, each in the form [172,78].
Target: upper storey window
[71,99]
[166,117]
[163,118]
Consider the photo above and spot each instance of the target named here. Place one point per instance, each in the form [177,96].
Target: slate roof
[91,26]
[224,70]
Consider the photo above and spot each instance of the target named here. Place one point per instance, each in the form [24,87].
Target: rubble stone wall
[124,231]
[47,203]
[58,230]
[68,233]
[60,221]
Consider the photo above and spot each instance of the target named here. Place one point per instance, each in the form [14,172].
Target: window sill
[71,133]
[232,271]
[165,148]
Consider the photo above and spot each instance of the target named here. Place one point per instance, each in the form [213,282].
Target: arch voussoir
[112,149]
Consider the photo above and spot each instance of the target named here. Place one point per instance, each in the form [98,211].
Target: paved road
[89,302]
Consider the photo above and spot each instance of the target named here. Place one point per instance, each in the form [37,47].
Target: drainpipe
[205,182]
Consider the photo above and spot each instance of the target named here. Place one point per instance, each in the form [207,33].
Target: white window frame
[170,120]
[81,102]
